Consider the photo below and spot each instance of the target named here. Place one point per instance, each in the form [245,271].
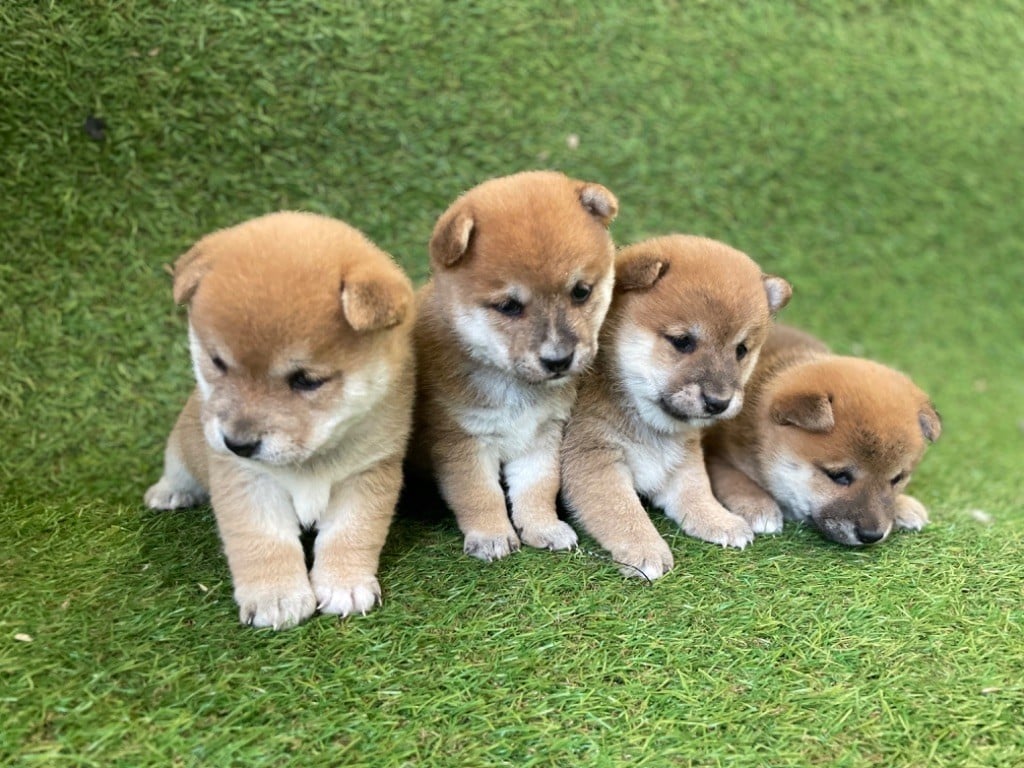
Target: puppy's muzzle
[715,405]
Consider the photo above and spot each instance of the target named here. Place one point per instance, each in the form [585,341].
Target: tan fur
[810,412]
[637,424]
[489,408]
[300,331]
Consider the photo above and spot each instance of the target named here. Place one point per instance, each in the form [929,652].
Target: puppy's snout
[243,449]
[557,364]
[869,534]
[715,405]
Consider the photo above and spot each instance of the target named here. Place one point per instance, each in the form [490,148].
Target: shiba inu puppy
[687,321]
[827,440]
[522,278]
[301,338]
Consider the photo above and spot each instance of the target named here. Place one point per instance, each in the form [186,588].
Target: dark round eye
[839,476]
[685,344]
[899,478]
[509,307]
[580,292]
[302,381]
[741,351]
[219,364]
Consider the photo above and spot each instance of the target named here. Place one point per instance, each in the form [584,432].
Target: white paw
[275,605]
[163,495]
[488,547]
[346,597]
[557,535]
[764,518]
[911,514]
[650,559]
[726,529]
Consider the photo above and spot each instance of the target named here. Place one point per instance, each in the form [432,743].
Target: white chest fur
[654,459]
[509,416]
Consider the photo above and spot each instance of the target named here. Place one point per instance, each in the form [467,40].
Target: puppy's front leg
[688,500]
[350,537]
[598,489]
[742,496]
[469,477]
[533,481]
[261,540]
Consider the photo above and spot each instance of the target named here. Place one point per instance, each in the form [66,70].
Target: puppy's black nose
[714,405]
[245,450]
[557,365]
[869,535]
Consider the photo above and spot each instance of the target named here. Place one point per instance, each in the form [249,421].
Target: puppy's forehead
[876,410]
[709,284]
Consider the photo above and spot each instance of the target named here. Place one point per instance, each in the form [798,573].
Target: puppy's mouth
[665,404]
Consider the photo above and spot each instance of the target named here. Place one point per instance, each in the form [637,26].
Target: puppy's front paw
[649,559]
[488,547]
[719,526]
[763,515]
[275,605]
[164,495]
[345,597]
[911,514]
[555,535]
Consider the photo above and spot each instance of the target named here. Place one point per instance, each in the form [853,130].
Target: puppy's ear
[931,422]
[188,271]
[778,292]
[451,237]
[373,302]
[810,411]
[638,271]
[599,202]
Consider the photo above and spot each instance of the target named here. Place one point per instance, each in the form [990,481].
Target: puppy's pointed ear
[810,411]
[931,422]
[778,292]
[188,271]
[373,302]
[637,271]
[451,237]
[599,202]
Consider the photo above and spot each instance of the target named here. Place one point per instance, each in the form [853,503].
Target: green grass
[868,151]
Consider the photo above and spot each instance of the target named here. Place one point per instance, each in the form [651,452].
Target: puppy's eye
[899,478]
[219,364]
[303,381]
[580,292]
[741,351]
[684,344]
[509,307]
[839,476]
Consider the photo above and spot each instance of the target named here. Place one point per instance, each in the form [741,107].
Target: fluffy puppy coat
[687,321]
[522,278]
[827,440]
[300,334]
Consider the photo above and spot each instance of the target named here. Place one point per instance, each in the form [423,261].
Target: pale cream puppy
[688,318]
[522,278]
[825,439]
[301,341]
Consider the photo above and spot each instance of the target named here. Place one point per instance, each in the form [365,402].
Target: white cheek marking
[641,380]
[473,325]
[197,353]
[362,391]
[791,482]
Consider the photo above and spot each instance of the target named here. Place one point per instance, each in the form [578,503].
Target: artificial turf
[870,152]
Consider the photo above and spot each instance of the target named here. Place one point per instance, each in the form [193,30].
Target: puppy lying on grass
[688,318]
[823,439]
[522,278]
[300,332]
